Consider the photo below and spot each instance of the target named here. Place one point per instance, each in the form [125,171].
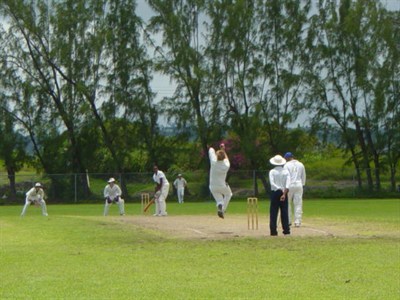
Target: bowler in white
[219,167]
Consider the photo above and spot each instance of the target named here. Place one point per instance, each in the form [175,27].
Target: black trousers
[276,205]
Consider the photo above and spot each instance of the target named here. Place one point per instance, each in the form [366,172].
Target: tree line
[76,77]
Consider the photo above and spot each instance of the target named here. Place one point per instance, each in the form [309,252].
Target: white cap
[111,180]
[37,184]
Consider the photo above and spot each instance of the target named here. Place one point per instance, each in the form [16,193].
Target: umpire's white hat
[277,160]
[111,180]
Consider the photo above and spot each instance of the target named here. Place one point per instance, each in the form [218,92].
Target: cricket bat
[148,205]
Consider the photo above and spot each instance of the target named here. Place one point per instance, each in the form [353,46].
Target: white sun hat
[277,160]
[111,180]
[37,184]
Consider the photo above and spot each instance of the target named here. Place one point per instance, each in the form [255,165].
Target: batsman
[162,186]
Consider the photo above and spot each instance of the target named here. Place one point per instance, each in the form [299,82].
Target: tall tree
[386,90]
[103,46]
[256,49]
[283,51]
[29,51]
[12,148]
[129,76]
[348,53]
[234,70]
[87,59]
[181,57]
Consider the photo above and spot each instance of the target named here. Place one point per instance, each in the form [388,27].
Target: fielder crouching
[35,195]
[112,194]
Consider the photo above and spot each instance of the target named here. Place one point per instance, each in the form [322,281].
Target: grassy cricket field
[76,253]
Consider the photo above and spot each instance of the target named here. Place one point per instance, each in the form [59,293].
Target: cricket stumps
[145,200]
[252,213]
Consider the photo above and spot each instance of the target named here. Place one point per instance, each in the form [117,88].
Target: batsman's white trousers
[160,202]
[121,206]
[222,195]
[295,197]
[40,201]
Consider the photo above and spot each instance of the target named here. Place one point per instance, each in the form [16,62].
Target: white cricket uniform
[219,188]
[32,196]
[279,179]
[297,181]
[113,193]
[180,184]
[160,202]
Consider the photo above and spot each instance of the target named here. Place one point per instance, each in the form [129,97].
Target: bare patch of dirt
[235,226]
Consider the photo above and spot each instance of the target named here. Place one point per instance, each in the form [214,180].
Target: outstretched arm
[222,147]
[212,155]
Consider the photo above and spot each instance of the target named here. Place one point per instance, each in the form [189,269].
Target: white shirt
[160,175]
[297,171]
[35,194]
[279,178]
[218,170]
[180,183]
[112,192]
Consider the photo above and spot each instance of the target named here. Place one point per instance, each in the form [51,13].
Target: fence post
[75,188]
[254,183]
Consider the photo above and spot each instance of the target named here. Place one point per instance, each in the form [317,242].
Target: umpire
[279,179]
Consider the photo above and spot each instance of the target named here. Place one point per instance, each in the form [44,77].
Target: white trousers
[121,206]
[160,202]
[41,202]
[222,195]
[181,194]
[295,197]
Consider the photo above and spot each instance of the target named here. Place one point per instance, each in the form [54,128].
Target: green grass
[78,254]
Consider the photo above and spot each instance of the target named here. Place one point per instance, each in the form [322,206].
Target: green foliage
[356,58]
[138,159]
[12,146]
[327,164]
[75,78]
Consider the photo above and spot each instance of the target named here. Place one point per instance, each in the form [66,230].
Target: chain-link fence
[88,188]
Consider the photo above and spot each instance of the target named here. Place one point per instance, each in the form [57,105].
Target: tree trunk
[357,167]
[393,179]
[364,152]
[11,179]
[264,181]
[375,157]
